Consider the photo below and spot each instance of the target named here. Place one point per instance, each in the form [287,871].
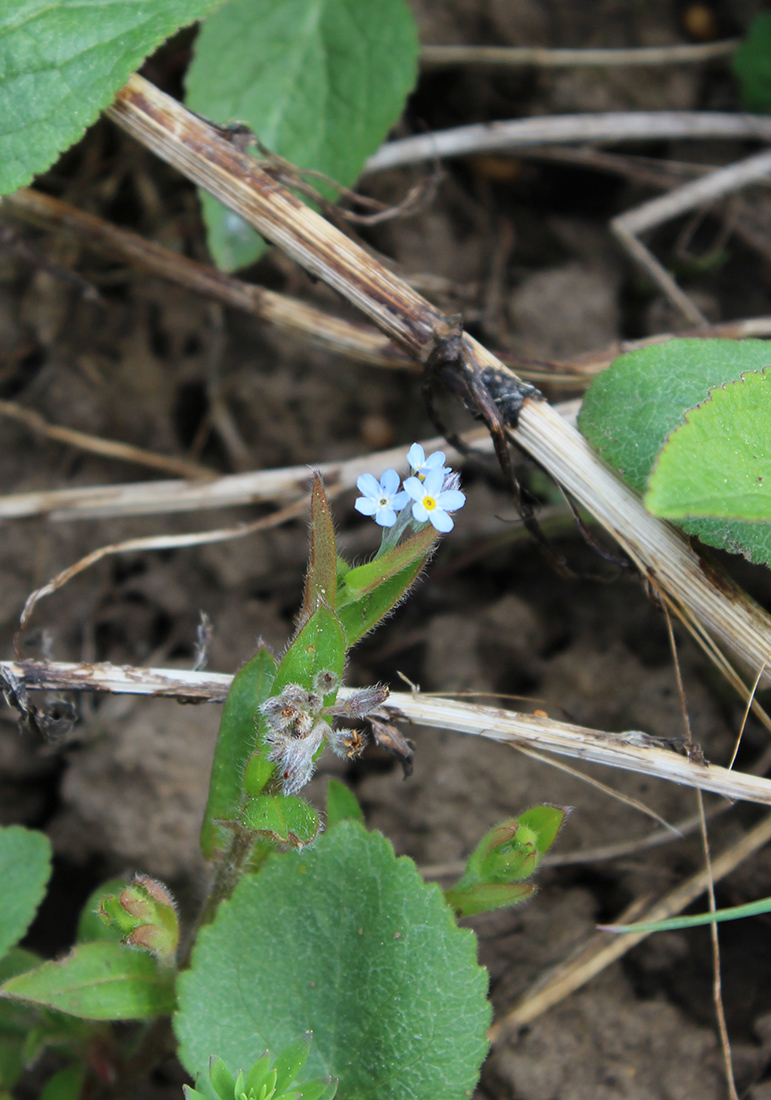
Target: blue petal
[399,500]
[389,482]
[419,512]
[413,487]
[416,456]
[433,484]
[366,506]
[386,517]
[451,500]
[441,521]
[368,485]
[435,460]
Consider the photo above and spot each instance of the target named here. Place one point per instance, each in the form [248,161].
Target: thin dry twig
[160,542]
[630,750]
[542,57]
[628,226]
[612,126]
[108,448]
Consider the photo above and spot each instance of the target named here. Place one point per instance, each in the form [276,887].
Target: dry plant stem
[260,486]
[124,452]
[490,137]
[357,341]
[599,951]
[697,193]
[354,340]
[189,143]
[542,57]
[630,750]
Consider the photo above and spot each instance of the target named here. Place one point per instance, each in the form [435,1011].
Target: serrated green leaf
[320,82]
[752,65]
[365,954]
[61,63]
[718,463]
[25,867]
[483,897]
[321,579]
[281,819]
[341,804]
[97,981]
[631,408]
[236,741]
[318,647]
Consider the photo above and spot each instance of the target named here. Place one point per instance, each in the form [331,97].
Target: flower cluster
[432,490]
[297,724]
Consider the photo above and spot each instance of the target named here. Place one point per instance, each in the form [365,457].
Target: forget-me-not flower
[432,503]
[420,465]
[380,498]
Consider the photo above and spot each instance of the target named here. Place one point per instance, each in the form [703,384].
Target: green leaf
[718,463]
[321,581]
[545,822]
[222,1079]
[320,82]
[364,954]
[752,65]
[61,63]
[15,1020]
[342,804]
[318,647]
[291,1060]
[97,981]
[64,1085]
[25,867]
[483,897]
[281,819]
[366,594]
[91,926]
[631,408]
[236,740]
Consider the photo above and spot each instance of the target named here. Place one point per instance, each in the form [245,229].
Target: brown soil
[144,363]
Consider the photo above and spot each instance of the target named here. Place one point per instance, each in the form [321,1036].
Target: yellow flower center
[429,503]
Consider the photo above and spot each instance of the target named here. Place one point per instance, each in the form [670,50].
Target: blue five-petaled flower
[420,465]
[433,490]
[432,503]
[380,499]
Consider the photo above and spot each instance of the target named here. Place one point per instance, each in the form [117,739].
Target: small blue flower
[380,498]
[431,503]
[420,465]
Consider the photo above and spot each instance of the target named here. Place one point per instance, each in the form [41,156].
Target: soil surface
[522,248]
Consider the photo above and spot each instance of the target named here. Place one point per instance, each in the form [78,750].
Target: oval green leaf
[320,82]
[236,740]
[347,941]
[718,463]
[97,981]
[318,647]
[25,867]
[631,408]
